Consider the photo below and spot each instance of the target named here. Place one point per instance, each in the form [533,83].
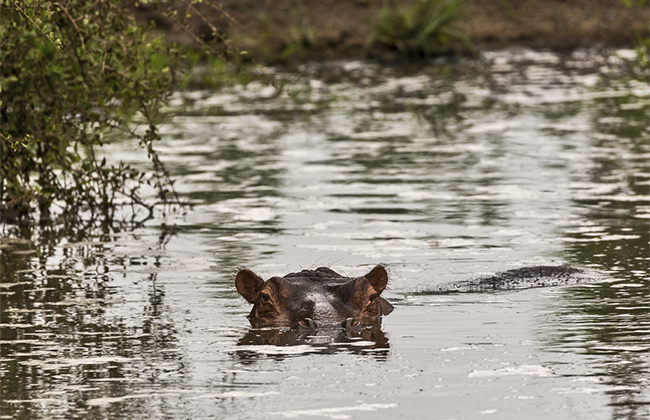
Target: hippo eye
[265,298]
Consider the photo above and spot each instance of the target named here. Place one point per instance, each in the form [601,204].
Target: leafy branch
[56,42]
[70,73]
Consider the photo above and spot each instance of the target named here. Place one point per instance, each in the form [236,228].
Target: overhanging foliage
[70,71]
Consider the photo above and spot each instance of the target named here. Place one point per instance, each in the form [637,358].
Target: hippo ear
[368,288]
[378,278]
[386,307]
[248,284]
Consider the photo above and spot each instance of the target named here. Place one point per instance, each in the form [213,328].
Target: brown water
[443,172]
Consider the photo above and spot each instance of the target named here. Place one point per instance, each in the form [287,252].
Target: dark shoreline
[275,31]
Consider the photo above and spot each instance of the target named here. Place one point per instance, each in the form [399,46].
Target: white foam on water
[530,370]
[333,412]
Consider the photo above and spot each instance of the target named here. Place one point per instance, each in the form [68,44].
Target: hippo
[518,279]
[315,300]
[322,298]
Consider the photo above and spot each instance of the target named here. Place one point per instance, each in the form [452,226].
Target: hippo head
[314,299]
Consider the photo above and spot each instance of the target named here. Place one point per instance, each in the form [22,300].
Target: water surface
[444,172]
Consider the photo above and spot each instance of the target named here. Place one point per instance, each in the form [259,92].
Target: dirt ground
[281,30]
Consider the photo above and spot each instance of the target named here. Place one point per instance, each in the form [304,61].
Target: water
[443,172]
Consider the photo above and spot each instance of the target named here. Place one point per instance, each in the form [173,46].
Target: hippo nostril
[307,323]
[352,324]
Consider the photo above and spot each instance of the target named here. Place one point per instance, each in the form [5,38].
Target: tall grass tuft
[422,30]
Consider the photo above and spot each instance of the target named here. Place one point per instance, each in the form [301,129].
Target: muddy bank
[281,30]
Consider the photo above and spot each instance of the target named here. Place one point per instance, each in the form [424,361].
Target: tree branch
[35,25]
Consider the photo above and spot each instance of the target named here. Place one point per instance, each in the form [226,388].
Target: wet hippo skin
[519,278]
[315,299]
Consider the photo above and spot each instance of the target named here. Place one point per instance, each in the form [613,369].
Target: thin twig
[228,16]
[190,6]
[37,27]
[191,34]
[74,23]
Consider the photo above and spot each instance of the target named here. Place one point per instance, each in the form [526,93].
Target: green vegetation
[640,68]
[303,35]
[422,30]
[205,70]
[630,3]
[70,72]
[299,39]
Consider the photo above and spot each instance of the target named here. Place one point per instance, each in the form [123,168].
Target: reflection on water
[65,330]
[328,341]
[445,172]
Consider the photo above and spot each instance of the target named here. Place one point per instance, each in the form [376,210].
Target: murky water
[442,172]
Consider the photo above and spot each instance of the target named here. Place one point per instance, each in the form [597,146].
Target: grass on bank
[422,30]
